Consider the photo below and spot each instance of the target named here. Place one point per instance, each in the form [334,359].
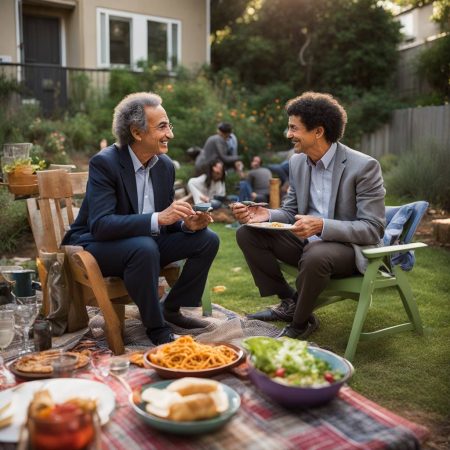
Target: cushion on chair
[402,222]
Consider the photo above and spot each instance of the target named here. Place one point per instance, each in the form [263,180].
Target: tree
[319,44]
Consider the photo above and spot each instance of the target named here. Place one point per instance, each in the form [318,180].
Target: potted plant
[22,178]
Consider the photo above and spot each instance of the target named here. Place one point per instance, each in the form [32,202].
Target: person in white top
[208,185]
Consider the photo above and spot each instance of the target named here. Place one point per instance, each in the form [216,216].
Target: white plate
[269,226]
[61,389]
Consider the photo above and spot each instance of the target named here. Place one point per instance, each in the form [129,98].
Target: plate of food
[186,406]
[61,390]
[35,366]
[277,226]
[186,357]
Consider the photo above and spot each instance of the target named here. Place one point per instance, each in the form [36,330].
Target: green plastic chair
[386,268]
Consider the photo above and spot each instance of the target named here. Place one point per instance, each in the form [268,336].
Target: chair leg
[362,309]
[206,301]
[97,284]
[119,309]
[409,303]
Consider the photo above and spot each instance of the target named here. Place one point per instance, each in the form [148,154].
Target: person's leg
[245,191]
[262,249]
[137,261]
[199,249]
[319,262]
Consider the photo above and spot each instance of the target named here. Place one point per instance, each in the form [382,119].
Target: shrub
[422,174]
[13,217]
[80,133]
[388,162]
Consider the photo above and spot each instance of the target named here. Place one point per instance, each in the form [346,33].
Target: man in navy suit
[131,224]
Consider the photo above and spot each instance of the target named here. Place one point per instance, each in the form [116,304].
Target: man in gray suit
[336,205]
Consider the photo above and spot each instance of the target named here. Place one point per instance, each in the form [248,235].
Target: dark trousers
[316,261]
[137,260]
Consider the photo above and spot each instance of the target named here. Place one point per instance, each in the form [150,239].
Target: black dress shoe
[189,323]
[160,335]
[300,333]
[284,311]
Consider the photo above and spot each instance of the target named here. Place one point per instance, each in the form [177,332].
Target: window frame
[138,46]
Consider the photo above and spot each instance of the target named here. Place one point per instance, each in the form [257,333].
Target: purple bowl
[300,397]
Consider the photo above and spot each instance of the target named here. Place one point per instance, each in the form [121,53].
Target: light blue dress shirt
[144,186]
[320,186]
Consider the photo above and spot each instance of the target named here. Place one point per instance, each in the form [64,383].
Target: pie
[41,363]
[137,358]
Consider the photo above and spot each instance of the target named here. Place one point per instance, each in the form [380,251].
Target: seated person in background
[232,144]
[212,183]
[257,185]
[132,226]
[282,171]
[336,205]
[216,148]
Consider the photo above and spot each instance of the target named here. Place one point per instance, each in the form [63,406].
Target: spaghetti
[186,354]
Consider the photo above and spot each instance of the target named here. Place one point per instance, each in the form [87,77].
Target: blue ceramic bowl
[194,427]
[301,397]
[203,207]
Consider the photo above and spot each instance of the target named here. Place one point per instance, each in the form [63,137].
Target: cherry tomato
[329,377]
[280,372]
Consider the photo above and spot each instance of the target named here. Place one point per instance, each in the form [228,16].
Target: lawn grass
[404,372]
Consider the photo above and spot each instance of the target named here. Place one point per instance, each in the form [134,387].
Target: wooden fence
[408,128]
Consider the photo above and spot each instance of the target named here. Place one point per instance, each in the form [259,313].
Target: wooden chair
[381,273]
[50,215]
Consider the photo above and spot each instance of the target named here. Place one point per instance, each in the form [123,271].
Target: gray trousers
[317,262]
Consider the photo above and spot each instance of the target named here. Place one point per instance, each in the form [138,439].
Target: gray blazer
[356,210]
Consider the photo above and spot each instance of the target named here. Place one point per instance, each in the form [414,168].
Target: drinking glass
[6,328]
[24,316]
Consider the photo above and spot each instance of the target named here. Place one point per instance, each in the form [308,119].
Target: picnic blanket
[349,422]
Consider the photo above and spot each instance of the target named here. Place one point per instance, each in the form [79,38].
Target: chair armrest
[377,252]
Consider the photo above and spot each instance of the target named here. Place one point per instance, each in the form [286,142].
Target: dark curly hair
[319,110]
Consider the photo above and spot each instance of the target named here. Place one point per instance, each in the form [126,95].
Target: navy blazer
[110,209]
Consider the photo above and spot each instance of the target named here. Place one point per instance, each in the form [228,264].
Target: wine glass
[6,337]
[32,304]
[6,328]
[24,316]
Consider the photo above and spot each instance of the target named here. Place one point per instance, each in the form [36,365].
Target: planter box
[23,183]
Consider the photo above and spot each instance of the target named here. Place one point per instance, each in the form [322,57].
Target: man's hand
[176,211]
[249,214]
[307,226]
[198,221]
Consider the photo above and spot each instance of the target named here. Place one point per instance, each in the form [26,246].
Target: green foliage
[13,217]
[80,133]
[434,66]
[387,162]
[422,174]
[366,113]
[305,44]
[8,85]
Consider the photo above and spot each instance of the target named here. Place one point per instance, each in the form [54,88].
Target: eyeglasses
[164,127]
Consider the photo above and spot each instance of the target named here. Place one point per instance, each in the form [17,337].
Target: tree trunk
[441,230]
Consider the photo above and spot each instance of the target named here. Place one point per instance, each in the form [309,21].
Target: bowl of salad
[293,373]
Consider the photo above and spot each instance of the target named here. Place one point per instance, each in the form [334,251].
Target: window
[119,41]
[125,38]
[162,43]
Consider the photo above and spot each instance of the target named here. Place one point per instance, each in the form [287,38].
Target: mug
[22,279]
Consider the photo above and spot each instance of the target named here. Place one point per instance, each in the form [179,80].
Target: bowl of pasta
[186,357]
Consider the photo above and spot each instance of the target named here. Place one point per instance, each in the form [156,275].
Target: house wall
[8,43]
[191,13]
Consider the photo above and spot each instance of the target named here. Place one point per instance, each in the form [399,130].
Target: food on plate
[277,225]
[41,363]
[186,354]
[287,361]
[137,359]
[186,399]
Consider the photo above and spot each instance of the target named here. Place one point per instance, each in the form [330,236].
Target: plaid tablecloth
[351,421]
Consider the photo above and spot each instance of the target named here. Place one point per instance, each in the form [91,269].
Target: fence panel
[408,128]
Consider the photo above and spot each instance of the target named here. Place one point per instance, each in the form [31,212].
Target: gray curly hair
[131,112]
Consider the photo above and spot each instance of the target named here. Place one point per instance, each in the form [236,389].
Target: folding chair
[386,268]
